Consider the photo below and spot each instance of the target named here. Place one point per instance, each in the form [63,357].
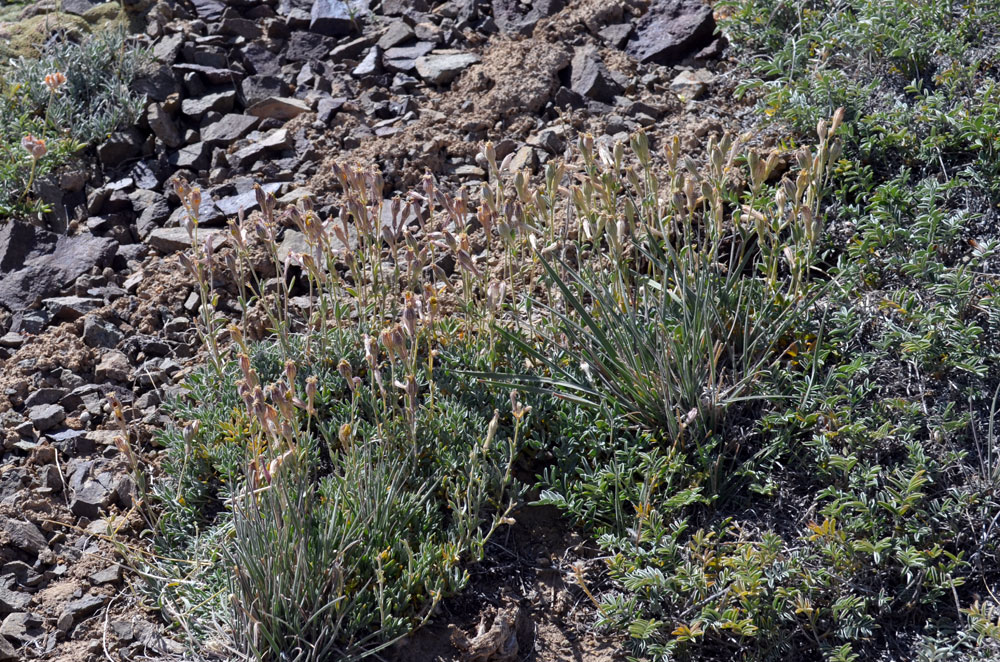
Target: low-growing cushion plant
[339,528]
[90,98]
[326,483]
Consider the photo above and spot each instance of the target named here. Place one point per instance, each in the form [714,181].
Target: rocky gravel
[94,303]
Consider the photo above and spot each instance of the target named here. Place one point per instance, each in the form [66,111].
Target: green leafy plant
[93,100]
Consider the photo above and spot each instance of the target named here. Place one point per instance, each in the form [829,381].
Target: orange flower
[55,80]
[34,146]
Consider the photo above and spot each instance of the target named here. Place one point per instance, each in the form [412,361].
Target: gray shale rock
[45,396]
[20,242]
[167,48]
[307,47]
[153,210]
[336,18]
[85,606]
[194,156]
[120,146]
[397,33]
[46,417]
[21,626]
[260,87]
[279,108]
[514,17]
[209,10]
[213,75]
[404,58]
[10,599]
[22,535]
[163,126]
[228,128]
[371,65]
[71,307]
[590,78]
[113,366]
[100,333]
[247,201]
[671,30]
[61,261]
[171,240]
[78,7]
[221,102]
[90,498]
[441,67]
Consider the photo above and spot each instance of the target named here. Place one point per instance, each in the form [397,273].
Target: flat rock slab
[163,126]
[671,30]
[691,84]
[240,27]
[90,498]
[228,128]
[590,78]
[71,307]
[209,10]
[46,417]
[397,33]
[167,48]
[113,366]
[258,88]
[403,58]
[246,201]
[11,340]
[194,156]
[294,241]
[120,146]
[336,18]
[21,241]
[370,65]
[85,606]
[45,396]
[208,214]
[277,139]
[307,47]
[21,626]
[280,108]
[170,240]
[100,333]
[22,535]
[441,67]
[221,102]
[10,599]
[213,75]
[47,274]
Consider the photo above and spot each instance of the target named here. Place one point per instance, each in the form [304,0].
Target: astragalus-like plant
[93,98]
[349,461]
[346,501]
